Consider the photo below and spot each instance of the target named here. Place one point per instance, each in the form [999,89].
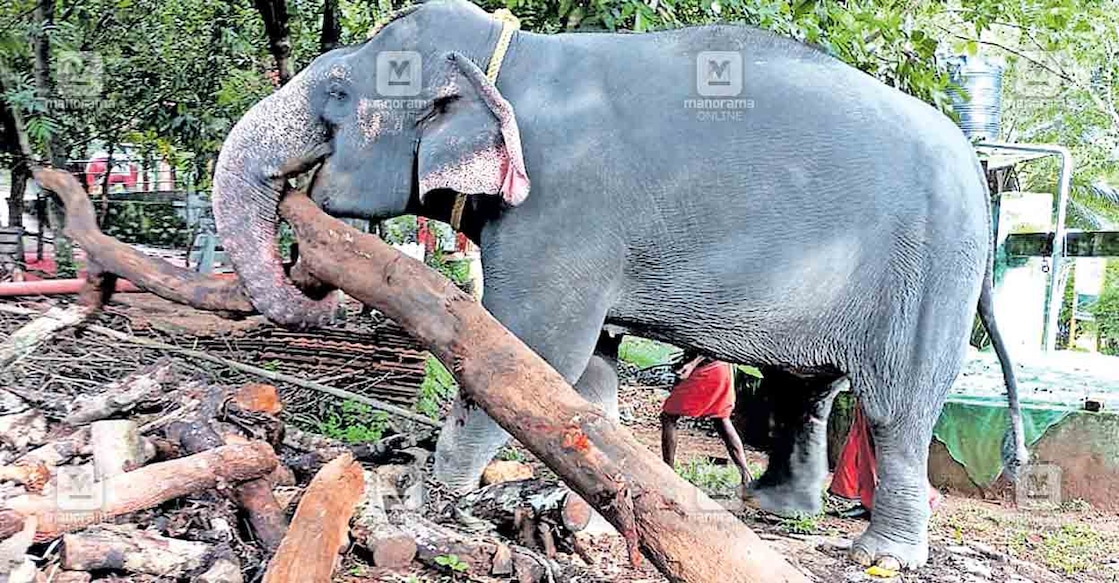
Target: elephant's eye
[338,94]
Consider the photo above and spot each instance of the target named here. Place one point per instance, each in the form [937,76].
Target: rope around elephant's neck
[509,24]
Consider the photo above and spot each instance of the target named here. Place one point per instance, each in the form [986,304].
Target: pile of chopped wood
[161,476]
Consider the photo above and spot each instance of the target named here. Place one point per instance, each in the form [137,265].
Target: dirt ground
[971,540]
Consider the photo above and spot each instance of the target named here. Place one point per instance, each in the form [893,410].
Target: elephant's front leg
[793,481]
[560,322]
[470,438]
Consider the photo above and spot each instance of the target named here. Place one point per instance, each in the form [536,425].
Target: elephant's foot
[785,500]
[873,548]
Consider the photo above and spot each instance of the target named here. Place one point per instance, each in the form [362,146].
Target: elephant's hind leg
[793,482]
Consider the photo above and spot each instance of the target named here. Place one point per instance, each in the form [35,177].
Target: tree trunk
[331,29]
[44,86]
[275,16]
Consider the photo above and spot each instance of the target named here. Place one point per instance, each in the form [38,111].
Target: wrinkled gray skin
[839,229]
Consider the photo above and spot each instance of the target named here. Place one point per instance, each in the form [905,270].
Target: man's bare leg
[734,447]
[668,439]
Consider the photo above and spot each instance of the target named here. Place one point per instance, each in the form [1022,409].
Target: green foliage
[1106,310]
[145,223]
[511,454]
[800,524]
[452,562]
[438,388]
[643,353]
[456,271]
[354,423]
[715,479]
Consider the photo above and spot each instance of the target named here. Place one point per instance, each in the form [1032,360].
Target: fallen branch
[24,340]
[515,506]
[148,486]
[684,533]
[254,496]
[126,548]
[273,376]
[479,557]
[123,395]
[317,534]
[158,277]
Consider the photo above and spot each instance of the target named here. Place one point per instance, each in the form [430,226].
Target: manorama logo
[719,82]
[399,80]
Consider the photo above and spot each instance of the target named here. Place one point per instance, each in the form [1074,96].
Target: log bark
[389,545]
[33,474]
[61,450]
[23,430]
[124,395]
[265,515]
[116,447]
[11,522]
[317,534]
[684,533]
[126,548]
[148,486]
[508,503]
[159,277]
[482,557]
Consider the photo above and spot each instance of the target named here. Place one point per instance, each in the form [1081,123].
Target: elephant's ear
[470,142]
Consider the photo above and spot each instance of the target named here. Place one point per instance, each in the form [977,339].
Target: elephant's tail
[1014,453]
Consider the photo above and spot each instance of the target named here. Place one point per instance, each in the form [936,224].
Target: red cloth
[707,392]
[856,473]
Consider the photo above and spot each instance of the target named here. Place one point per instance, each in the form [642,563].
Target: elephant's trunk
[248,182]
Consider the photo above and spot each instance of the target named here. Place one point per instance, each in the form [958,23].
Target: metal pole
[1053,298]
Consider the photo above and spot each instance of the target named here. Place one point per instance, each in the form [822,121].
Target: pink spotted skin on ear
[515,183]
[477,173]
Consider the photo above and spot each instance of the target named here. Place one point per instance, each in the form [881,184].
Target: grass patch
[712,478]
[1070,549]
[644,353]
[800,525]
[354,423]
[438,388]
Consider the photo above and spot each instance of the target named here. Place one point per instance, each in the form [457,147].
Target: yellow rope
[509,24]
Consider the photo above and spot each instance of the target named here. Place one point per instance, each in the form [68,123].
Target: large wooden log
[146,487]
[683,532]
[126,548]
[318,530]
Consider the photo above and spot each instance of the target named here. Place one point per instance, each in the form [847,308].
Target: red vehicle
[124,171]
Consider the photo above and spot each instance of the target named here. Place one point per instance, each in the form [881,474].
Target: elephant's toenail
[861,556]
[889,563]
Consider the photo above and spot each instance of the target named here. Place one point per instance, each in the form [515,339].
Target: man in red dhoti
[856,472]
[705,390]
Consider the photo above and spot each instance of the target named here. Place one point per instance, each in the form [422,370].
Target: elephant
[720,188]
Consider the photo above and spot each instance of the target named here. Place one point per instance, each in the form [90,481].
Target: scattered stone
[960,550]
[975,567]
[988,551]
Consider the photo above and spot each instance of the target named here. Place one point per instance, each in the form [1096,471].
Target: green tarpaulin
[972,430]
